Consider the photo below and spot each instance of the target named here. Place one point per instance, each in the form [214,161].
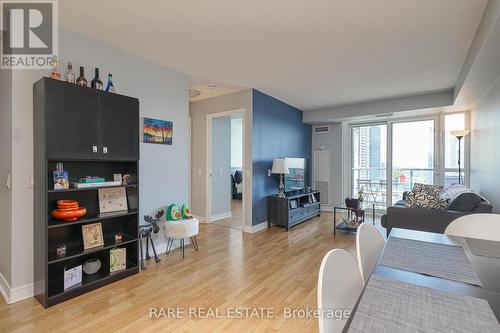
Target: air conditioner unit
[321,129]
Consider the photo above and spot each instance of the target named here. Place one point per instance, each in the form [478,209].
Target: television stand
[293,209]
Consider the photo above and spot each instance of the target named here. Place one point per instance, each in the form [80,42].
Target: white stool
[181,229]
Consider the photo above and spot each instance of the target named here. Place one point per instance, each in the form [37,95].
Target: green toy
[173,213]
[186,212]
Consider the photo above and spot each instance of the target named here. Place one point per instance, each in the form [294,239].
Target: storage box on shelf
[92,133]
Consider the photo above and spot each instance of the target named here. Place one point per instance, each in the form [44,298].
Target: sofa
[462,201]
[237,185]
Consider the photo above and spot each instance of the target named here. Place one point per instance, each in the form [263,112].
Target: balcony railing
[374,183]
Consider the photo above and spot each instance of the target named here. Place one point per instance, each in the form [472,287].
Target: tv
[297,178]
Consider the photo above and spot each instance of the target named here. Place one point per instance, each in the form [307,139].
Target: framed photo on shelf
[112,199]
[92,236]
[72,277]
[117,259]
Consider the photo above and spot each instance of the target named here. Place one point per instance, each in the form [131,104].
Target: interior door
[119,127]
[72,121]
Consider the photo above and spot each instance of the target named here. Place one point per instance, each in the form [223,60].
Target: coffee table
[359,213]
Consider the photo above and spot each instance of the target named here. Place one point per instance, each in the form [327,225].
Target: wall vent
[321,129]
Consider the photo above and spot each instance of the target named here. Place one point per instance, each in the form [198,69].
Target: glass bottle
[70,76]
[96,82]
[55,74]
[82,81]
[110,87]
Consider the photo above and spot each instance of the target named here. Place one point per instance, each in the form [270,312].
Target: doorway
[225,161]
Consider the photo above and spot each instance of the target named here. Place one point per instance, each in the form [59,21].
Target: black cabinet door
[71,120]
[119,127]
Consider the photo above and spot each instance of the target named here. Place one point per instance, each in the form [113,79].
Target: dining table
[425,281]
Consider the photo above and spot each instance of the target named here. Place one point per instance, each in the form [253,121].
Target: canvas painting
[158,131]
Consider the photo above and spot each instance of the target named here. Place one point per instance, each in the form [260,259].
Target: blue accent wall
[278,131]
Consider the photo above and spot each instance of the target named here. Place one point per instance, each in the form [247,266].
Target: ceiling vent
[321,129]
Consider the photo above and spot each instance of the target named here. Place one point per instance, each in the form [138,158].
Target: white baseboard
[201,219]
[255,228]
[13,295]
[220,216]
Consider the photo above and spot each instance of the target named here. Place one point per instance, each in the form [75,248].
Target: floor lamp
[459,134]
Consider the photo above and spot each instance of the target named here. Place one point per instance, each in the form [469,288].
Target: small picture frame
[61,181]
[112,199]
[117,259]
[92,236]
[313,197]
[293,204]
[72,277]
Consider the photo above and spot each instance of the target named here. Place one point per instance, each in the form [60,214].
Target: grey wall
[163,169]
[485,143]
[199,111]
[333,142]
[221,166]
[5,170]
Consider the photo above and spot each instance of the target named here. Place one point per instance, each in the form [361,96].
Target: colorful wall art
[158,131]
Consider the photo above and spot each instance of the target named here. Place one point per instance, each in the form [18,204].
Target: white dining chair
[369,243]
[339,286]
[482,226]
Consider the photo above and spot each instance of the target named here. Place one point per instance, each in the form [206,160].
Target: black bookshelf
[93,133]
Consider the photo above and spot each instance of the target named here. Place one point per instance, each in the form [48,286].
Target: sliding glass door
[369,163]
[389,158]
[412,156]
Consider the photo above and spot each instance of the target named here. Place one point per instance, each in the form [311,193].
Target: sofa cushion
[424,200]
[465,202]
[433,190]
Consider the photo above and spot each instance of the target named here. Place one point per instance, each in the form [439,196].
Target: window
[389,157]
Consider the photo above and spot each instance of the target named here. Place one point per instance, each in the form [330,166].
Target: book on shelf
[90,185]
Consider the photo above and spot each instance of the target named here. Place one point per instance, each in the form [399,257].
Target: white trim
[22,292]
[13,295]
[220,216]
[201,219]
[255,228]
[208,165]
[5,289]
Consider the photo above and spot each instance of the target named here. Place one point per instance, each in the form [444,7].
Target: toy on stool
[173,213]
[186,212]
[145,230]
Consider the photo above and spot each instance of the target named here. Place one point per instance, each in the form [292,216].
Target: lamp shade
[459,133]
[280,167]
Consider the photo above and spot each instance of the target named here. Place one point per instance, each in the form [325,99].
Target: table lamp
[280,168]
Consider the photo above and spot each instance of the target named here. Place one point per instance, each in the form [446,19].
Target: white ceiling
[311,54]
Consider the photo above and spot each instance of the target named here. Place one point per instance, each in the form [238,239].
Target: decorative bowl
[69,215]
[91,266]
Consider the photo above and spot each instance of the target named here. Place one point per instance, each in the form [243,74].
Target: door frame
[208,166]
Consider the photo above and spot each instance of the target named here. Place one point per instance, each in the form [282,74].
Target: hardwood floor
[270,269]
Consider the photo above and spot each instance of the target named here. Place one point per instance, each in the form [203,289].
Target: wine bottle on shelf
[55,74]
[70,76]
[110,87]
[96,82]
[82,81]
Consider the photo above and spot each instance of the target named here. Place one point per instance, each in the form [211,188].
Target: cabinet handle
[104,150]
[94,149]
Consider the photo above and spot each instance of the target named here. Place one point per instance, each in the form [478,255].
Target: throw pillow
[173,213]
[424,200]
[427,188]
